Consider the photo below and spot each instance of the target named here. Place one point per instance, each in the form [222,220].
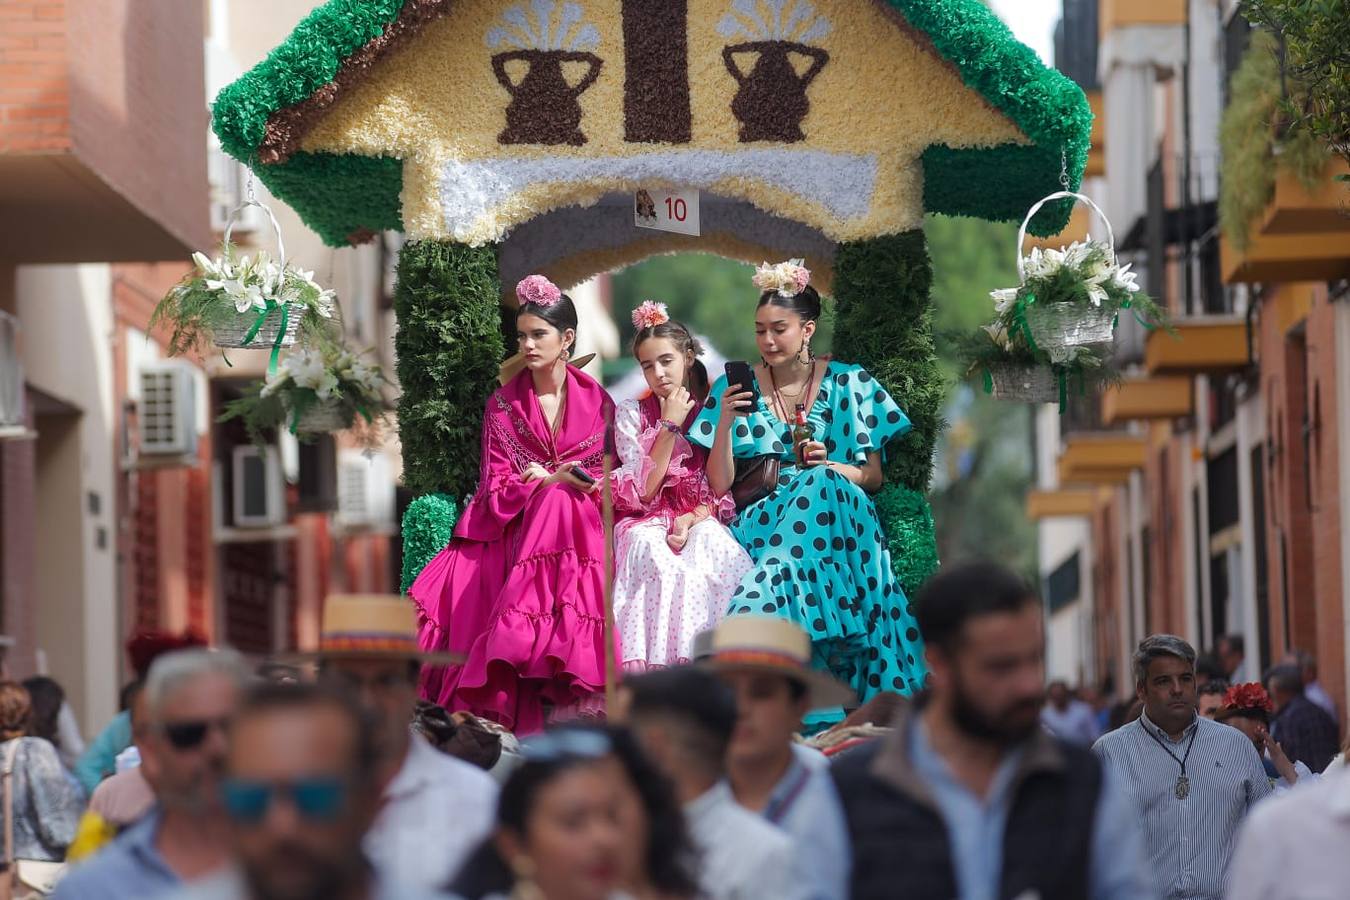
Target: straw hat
[514,364]
[379,626]
[748,643]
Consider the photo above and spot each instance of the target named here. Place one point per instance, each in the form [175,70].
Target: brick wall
[34,85]
[1325,514]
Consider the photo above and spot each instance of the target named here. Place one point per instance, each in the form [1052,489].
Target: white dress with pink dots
[663,598]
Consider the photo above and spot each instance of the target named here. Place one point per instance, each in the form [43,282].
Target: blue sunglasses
[315,799]
[566,743]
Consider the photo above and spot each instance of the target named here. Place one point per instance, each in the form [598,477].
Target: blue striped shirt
[1188,842]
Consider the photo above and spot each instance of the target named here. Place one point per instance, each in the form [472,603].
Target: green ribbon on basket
[1020,320]
[1127,304]
[258,323]
[988,381]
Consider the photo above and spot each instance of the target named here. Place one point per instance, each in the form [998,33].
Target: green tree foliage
[1316,42]
[984,457]
[711,295]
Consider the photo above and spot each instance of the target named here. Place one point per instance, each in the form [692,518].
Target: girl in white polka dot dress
[676,564]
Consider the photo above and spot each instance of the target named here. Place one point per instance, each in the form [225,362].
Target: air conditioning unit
[259,495]
[365,490]
[168,410]
[13,413]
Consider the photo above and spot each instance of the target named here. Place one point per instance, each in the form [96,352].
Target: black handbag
[756,478]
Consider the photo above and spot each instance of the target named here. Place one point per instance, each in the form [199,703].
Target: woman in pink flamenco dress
[519,590]
[677,564]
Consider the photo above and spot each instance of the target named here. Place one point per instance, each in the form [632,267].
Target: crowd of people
[326,777]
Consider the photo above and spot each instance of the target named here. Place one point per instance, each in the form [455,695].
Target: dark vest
[900,845]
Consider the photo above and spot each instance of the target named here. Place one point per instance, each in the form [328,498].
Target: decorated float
[505,137]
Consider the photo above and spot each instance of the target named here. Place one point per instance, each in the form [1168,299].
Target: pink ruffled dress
[663,598]
[519,590]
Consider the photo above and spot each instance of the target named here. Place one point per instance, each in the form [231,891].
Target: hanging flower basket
[249,302]
[1020,383]
[1069,299]
[318,390]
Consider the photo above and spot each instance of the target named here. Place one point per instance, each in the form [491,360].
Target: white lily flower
[276,379]
[1003,299]
[998,334]
[326,304]
[204,265]
[1096,293]
[1126,279]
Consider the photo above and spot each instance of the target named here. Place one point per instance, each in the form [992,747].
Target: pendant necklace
[1183,788]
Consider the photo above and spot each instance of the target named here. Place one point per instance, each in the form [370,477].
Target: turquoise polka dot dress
[820,558]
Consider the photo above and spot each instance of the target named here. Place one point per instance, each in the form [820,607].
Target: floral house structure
[505,137]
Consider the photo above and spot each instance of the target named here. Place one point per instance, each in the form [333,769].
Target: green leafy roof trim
[345,197]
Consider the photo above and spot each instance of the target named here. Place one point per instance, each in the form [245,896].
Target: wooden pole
[611,662]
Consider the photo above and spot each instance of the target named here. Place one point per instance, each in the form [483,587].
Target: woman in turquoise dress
[820,556]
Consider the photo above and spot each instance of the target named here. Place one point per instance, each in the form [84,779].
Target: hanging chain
[249,196]
[1064,170]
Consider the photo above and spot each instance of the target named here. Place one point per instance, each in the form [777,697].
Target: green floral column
[885,324]
[449,348]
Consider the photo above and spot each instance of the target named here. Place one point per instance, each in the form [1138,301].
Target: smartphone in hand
[582,475]
[739,372]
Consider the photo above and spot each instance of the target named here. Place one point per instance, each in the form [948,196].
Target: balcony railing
[1176,241]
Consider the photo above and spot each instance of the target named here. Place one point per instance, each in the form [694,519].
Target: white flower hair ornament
[649,314]
[787,279]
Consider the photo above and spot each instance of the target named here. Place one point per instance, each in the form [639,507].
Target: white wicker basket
[1059,328]
[323,417]
[1024,384]
[231,336]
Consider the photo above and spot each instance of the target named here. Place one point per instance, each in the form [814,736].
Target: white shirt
[743,856]
[436,811]
[1292,847]
[1077,723]
[229,885]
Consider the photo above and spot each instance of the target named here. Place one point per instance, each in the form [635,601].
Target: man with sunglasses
[301,791]
[190,698]
[435,809]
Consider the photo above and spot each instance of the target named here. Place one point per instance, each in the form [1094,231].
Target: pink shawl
[516,434]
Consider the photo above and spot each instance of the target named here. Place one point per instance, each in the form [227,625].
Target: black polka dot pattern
[820,557]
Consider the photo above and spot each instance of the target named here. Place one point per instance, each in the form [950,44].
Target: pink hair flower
[788,279]
[649,314]
[538,290]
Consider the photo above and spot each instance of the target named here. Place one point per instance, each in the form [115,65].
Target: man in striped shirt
[1193,780]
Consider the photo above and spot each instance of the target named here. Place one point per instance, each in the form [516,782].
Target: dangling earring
[567,354]
[805,355]
[525,888]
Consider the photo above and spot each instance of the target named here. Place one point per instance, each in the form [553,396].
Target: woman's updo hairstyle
[540,297]
[788,285]
[653,321]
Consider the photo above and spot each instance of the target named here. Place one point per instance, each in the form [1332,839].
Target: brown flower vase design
[771,102]
[544,107]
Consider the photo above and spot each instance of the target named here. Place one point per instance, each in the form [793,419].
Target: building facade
[1203,496]
[111,520]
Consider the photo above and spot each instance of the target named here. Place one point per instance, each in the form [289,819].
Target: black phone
[739,372]
[583,475]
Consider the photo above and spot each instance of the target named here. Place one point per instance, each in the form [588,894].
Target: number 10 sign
[675,211]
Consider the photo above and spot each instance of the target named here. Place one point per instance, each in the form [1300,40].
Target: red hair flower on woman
[1248,696]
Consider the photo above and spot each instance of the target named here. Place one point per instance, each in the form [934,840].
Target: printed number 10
[676,209]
